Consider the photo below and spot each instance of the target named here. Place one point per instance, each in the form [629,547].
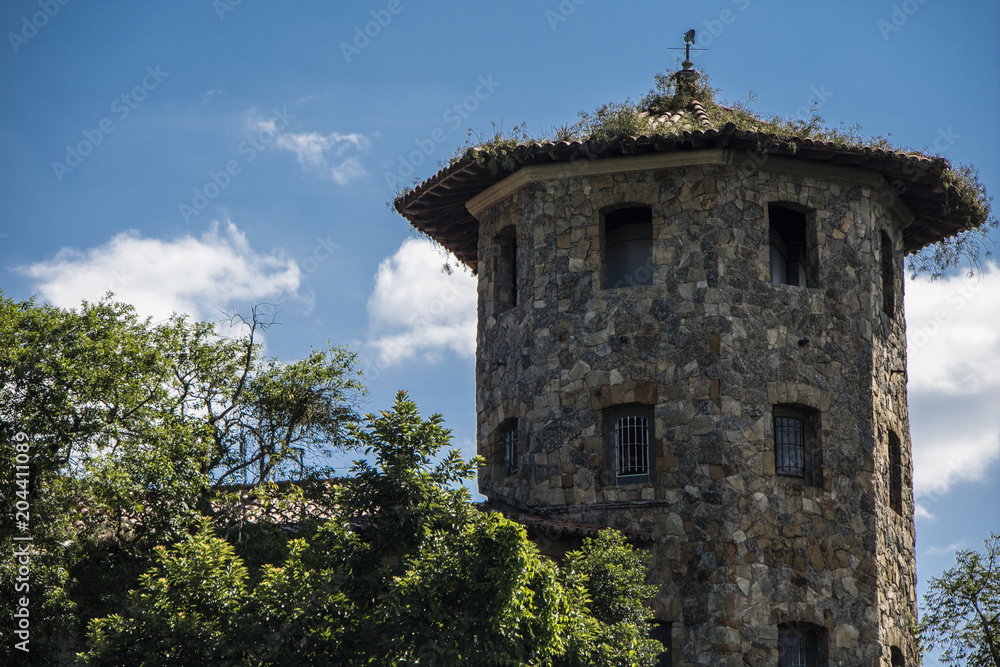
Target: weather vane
[688,43]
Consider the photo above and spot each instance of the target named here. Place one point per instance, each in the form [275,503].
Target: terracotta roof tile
[436,206]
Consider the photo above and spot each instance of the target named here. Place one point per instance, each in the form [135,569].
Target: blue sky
[199,156]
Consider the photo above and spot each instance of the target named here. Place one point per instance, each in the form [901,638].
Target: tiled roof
[555,529]
[437,207]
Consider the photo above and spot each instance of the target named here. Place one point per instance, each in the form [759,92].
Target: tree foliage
[134,431]
[962,609]
[406,572]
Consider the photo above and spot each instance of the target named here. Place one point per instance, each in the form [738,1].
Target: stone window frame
[508,444]
[801,645]
[796,443]
[644,273]
[492,446]
[887,273]
[816,403]
[612,417]
[505,269]
[779,240]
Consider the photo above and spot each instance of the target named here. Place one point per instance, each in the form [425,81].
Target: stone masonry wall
[712,345]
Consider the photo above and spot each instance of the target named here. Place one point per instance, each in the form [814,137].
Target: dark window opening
[895,473]
[888,276]
[800,645]
[789,250]
[505,272]
[508,441]
[631,443]
[795,451]
[662,631]
[628,247]
[896,658]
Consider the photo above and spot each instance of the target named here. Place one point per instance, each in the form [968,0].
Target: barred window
[895,473]
[508,439]
[795,452]
[799,645]
[630,443]
[628,247]
[790,446]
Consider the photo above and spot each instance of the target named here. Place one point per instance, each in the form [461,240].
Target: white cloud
[202,277]
[951,548]
[921,512]
[418,308]
[335,156]
[953,347]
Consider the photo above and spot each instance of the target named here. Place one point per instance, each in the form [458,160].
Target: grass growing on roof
[621,123]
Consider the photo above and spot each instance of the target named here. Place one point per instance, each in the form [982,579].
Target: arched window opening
[800,645]
[628,247]
[796,453]
[630,443]
[790,263]
[505,269]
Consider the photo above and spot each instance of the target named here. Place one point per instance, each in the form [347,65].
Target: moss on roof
[682,109]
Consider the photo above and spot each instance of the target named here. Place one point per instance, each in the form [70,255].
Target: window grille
[797,646]
[790,446]
[632,445]
[510,449]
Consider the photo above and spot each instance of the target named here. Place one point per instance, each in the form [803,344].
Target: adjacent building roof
[437,207]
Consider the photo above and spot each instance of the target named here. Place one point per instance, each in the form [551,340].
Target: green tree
[962,609]
[615,582]
[133,431]
[186,611]
[406,571]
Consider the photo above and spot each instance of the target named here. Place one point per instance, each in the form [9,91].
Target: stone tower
[697,334]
